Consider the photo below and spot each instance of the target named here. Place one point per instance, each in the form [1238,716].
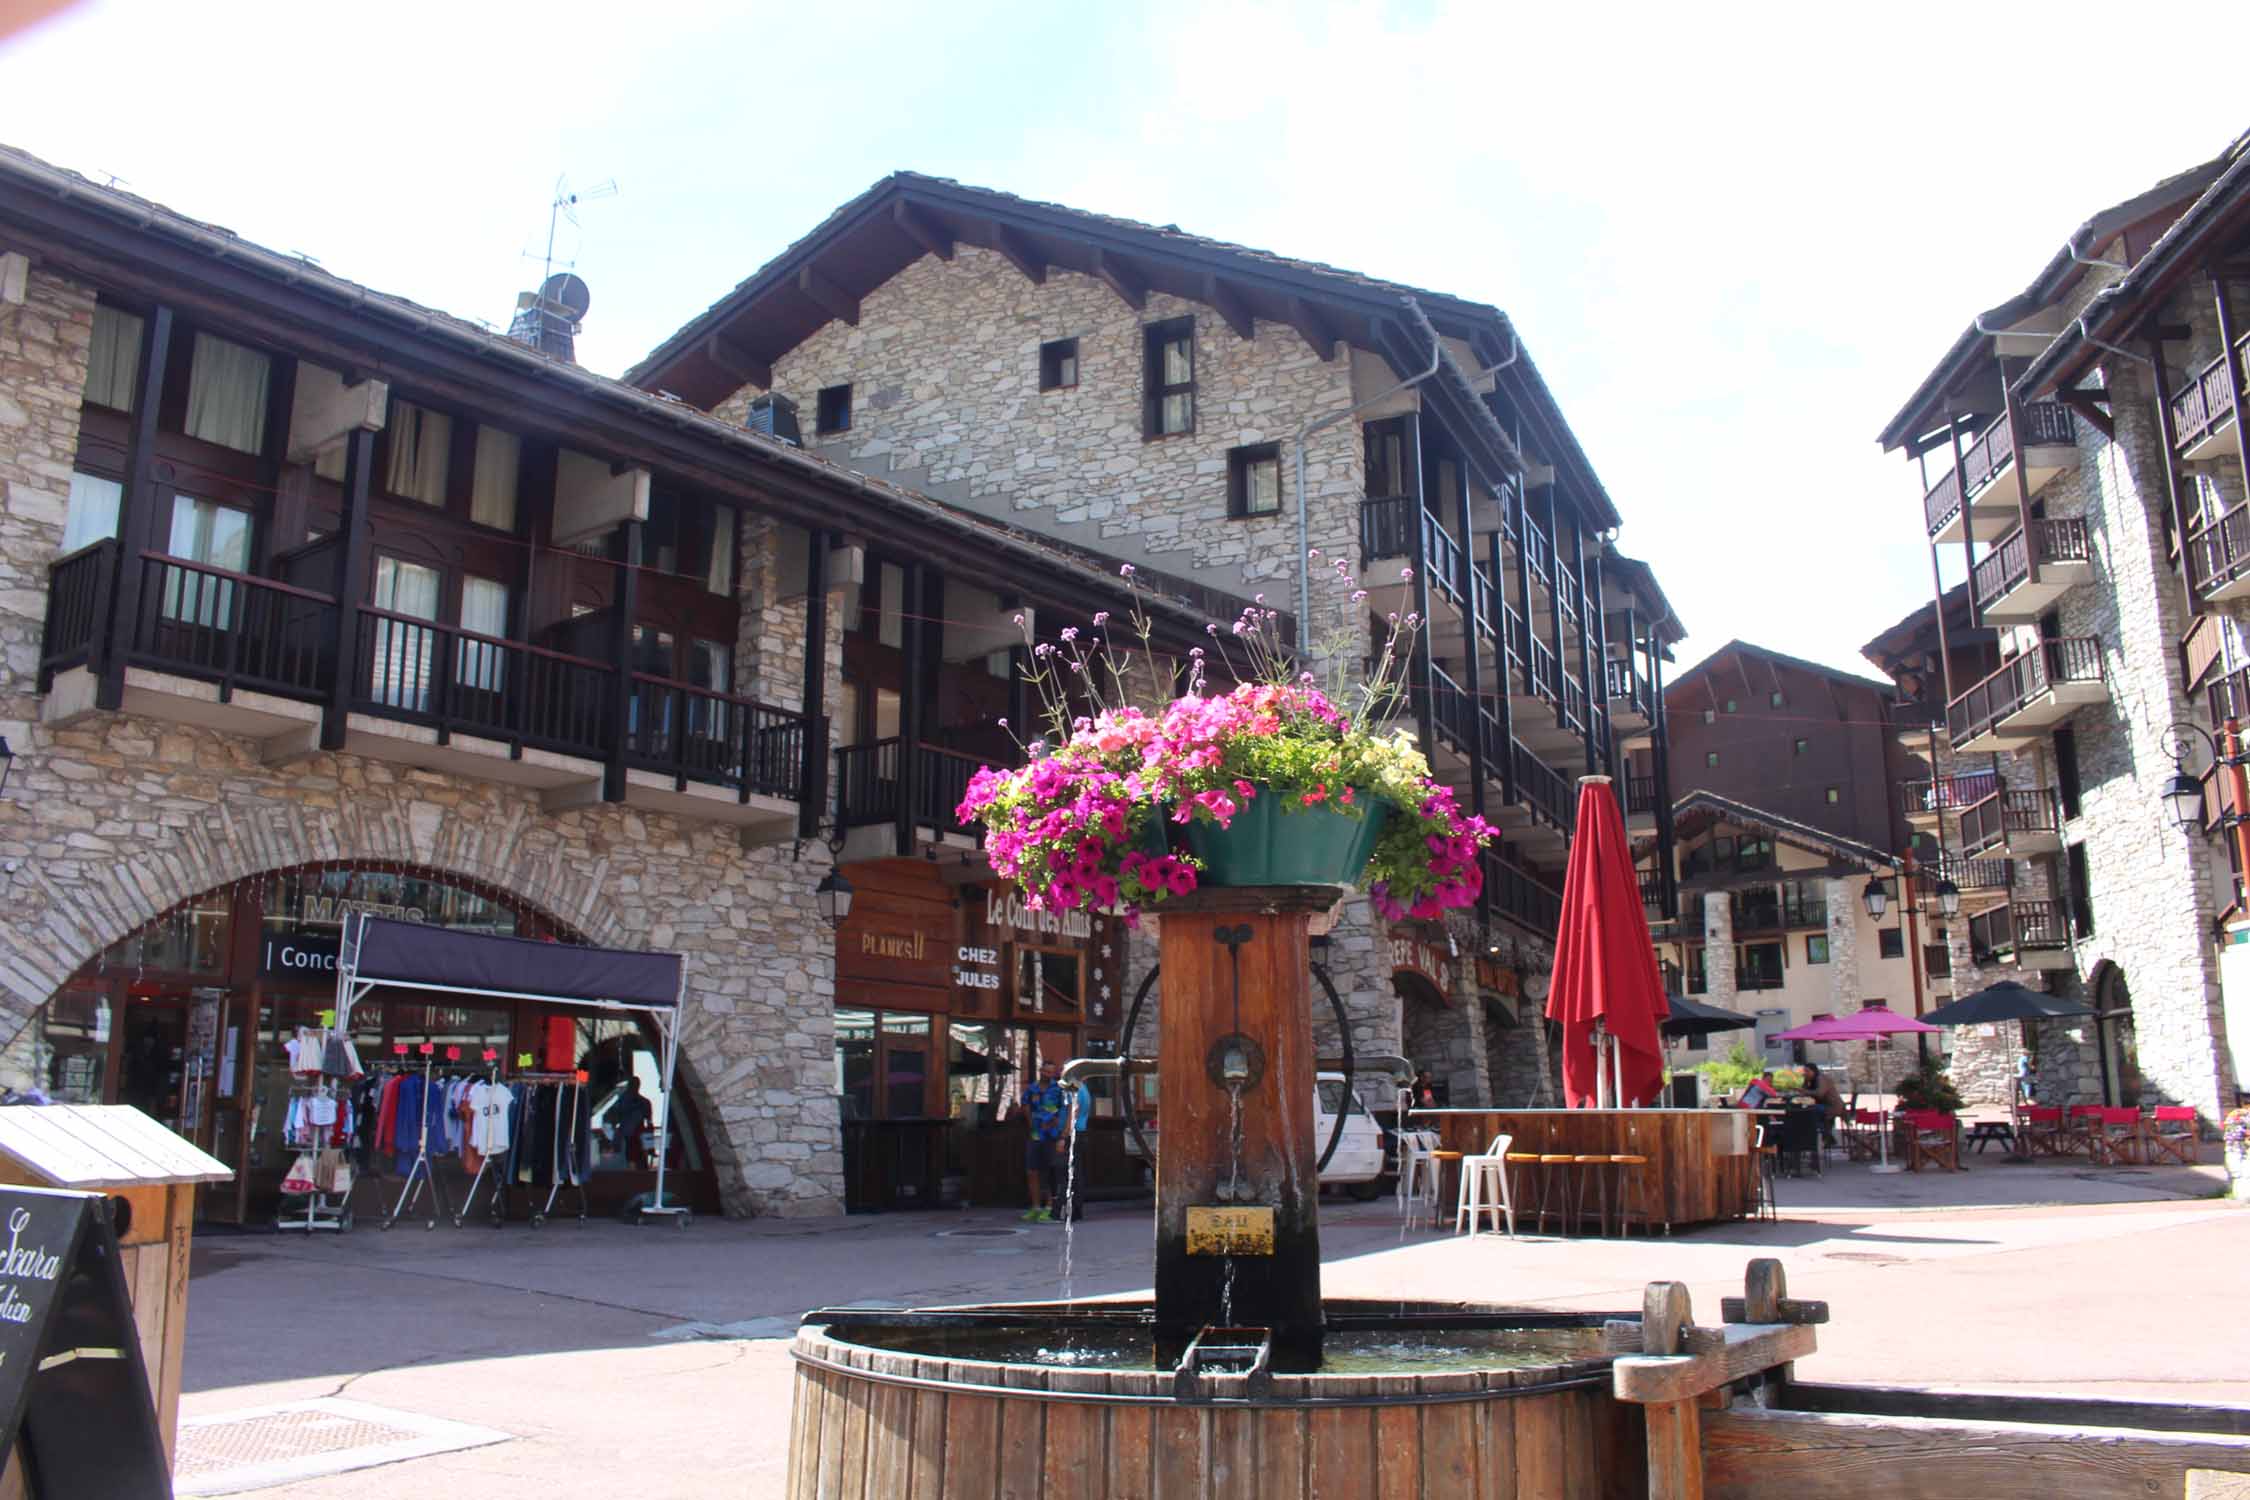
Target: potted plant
[2234,1134]
[1929,1087]
[1234,767]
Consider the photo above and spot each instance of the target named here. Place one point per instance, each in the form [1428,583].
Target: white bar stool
[1484,1190]
[1418,1174]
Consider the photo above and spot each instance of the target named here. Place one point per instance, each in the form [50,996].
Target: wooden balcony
[2019,580]
[2218,556]
[2022,934]
[2203,415]
[255,657]
[1632,697]
[1926,803]
[1517,895]
[1988,489]
[2228,697]
[869,779]
[2028,696]
[1640,804]
[1982,883]
[2023,820]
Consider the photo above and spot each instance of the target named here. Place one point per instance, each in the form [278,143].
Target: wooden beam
[830,297]
[922,230]
[738,361]
[1229,306]
[1119,278]
[1312,328]
[2082,402]
[1017,252]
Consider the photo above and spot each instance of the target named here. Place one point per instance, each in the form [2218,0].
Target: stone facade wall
[113,820]
[1718,950]
[1524,1076]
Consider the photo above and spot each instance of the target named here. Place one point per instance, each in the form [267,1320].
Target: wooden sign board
[74,1394]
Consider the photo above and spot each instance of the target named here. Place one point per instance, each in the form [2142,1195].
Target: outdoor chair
[2173,1135]
[1417,1174]
[1763,1170]
[2115,1139]
[2084,1124]
[1799,1142]
[1933,1137]
[2044,1133]
[1484,1190]
[1862,1131]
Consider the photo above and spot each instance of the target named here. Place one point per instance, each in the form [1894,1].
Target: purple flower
[1358,594]
[1314,555]
[1101,617]
[1070,633]
[1125,570]
[1211,629]
[1406,575]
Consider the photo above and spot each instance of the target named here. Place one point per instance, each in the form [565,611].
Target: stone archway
[2116,1045]
[756,1054]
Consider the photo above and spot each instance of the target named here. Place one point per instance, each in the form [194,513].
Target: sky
[1734,239]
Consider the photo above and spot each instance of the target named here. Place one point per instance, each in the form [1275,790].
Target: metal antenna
[566,202]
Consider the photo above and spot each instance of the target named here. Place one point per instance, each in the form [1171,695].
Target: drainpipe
[1304,436]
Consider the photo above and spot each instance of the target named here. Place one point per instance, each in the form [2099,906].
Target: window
[689,537]
[401,649]
[1387,476]
[1804,902]
[1799,748]
[484,611]
[227,394]
[1696,983]
[1834,796]
[1816,948]
[1711,758]
[113,360]
[1058,365]
[1773,700]
[1710,716]
[1731,708]
[93,511]
[1891,942]
[710,665]
[832,409]
[1937,961]
[218,536]
[1758,966]
[2081,898]
[1168,381]
[492,490]
[421,443]
[1254,480]
[2067,782]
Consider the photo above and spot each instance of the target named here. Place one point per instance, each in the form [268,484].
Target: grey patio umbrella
[1693,1018]
[2005,1001]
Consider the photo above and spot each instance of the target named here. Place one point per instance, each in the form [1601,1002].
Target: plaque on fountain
[1229,1231]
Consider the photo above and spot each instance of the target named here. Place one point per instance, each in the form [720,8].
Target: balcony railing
[1652,896]
[1545,790]
[1640,796]
[2206,403]
[1628,688]
[868,779]
[2201,649]
[2007,931]
[2008,566]
[1966,874]
[2228,697]
[2015,811]
[1441,557]
[1514,892]
[1451,712]
[247,633]
[2218,552]
[1948,793]
[1992,702]
[2043,423]
[1386,527]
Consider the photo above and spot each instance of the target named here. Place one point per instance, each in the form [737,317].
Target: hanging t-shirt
[488,1118]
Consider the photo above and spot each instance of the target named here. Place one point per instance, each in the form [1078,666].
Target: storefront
[188,1018]
[949,997]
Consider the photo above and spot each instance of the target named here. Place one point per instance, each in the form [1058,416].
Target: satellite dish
[567,291]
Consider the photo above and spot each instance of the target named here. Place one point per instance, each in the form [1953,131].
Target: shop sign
[1409,954]
[1499,979]
[911,946]
[976,968]
[1006,909]
[299,955]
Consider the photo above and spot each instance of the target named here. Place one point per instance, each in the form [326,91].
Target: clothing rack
[323,1210]
[568,1086]
[422,1172]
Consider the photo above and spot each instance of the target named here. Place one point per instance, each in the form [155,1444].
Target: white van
[1361,1160]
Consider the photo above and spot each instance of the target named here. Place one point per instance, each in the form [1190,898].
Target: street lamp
[1948,899]
[834,898]
[1875,897]
[2184,795]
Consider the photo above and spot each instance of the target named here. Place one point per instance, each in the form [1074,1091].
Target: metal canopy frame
[351,988]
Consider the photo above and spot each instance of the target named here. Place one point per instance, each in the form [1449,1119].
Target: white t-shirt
[488,1118]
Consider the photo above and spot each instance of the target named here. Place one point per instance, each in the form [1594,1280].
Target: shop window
[832,409]
[1058,365]
[1254,480]
[855,1063]
[977,1071]
[1168,382]
[421,449]
[92,515]
[113,360]
[227,387]
[1047,983]
[1891,942]
[906,1066]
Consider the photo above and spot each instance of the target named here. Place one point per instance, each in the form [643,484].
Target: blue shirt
[1043,1102]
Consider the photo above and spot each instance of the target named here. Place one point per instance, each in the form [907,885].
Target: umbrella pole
[1883,1136]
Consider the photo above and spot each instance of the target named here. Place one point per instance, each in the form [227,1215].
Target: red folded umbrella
[1605,961]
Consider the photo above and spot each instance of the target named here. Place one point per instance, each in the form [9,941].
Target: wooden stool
[1525,1164]
[1627,1164]
[1555,1167]
[1593,1173]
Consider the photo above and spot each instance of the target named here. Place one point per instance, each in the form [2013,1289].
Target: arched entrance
[188,1018]
[2115,1042]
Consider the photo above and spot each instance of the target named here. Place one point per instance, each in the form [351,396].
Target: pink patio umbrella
[1605,971]
[1870,1024]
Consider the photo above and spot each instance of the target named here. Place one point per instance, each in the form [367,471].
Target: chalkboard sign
[72,1384]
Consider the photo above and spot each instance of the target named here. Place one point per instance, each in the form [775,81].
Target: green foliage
[1732,1073]
[1789,1080]
[1928,1087]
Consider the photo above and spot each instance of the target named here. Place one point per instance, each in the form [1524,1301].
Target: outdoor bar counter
[1701,1168]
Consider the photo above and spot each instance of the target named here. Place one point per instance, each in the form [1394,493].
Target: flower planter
[1266,844]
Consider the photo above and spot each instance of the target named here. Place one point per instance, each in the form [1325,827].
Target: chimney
[548,319]
[776,417]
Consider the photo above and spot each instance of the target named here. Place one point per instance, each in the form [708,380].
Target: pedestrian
[628,1120]
[2027,1082]
[1044,1111]
[1825,1094]
[1425,1089]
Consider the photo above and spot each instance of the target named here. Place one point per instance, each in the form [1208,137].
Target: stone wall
[114,819]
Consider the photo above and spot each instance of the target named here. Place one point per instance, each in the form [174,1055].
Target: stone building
[1214,415]
[2081,468]
[315,601]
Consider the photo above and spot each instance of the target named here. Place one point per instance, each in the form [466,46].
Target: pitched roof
[1745,648]
[1917,631]
[1637,576]
[1712,806]
[1973,349]
[906,215]
[1184,605]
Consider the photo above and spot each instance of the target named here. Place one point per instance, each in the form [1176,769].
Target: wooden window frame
[826,402]
[1812,938]
[1890,942]
[1154,392]
[1052,357]
[1240,461]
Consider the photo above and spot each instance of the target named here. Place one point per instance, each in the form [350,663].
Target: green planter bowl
[1266,845]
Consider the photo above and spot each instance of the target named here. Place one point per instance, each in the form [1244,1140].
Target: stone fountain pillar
[1239,1187]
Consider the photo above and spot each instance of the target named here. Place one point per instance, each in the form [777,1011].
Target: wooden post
[138,516]
[1675,1434]
[1237,964]
[812,794]
[352,542]
[911,703]
[1472,648]
[622,656]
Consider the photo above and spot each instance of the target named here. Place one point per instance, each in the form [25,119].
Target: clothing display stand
[381,952]
[321,1211]
[423,1172]
[484,1170]
[562,1158]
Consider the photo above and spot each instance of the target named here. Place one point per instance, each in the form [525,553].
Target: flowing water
[1070,1206]
[1355,1353]
[1233,1195]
